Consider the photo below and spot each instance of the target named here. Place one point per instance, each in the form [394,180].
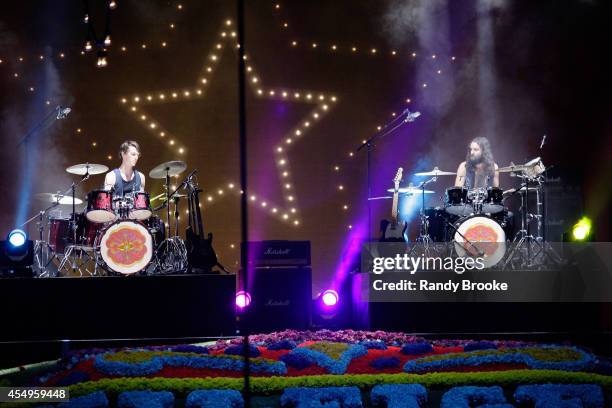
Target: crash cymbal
[55,198]
[435,173]
[410,190]
[85,168]
[171,168]
[158,197]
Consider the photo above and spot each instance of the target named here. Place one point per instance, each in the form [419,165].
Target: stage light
[582,229]
[88,46]
[107,40]
[112,5]
[17,238]
[330,298]
[243,299]
[101,62]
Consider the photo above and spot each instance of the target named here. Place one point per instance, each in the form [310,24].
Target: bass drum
[126,247]
[487,238]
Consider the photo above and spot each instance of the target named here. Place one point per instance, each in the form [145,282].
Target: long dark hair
[487,156]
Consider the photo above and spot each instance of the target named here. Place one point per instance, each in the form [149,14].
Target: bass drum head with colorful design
[486,234]
[126,247]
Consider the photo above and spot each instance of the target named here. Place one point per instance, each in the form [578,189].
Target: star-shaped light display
[322,103]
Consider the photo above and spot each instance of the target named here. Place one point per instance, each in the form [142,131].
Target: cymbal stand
[544,251]
[76,253]
[173,257]
[43,253]
[424,238]
[523,238]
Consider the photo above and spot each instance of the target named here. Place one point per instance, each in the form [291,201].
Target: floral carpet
[332,369]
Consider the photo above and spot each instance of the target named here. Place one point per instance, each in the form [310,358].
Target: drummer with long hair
[479,169]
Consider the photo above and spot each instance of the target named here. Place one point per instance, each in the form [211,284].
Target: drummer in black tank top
[126,179]
[479,169]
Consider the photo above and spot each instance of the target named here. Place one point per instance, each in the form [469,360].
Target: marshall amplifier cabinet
[281,299]
[278,253]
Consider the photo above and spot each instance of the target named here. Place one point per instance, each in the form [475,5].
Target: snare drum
[100,206]
[123,205]
[142,207]
[456,201]
[126,247]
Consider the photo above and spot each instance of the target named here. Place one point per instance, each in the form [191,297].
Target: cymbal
[435,173]
[511,191]
[380,198]
[535,167]
[511,169]
[410,190]
[54,198]
[171,168]
[84,168]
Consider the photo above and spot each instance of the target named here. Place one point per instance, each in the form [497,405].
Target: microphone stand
[387,129]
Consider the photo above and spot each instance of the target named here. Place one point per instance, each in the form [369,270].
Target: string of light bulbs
[322,103]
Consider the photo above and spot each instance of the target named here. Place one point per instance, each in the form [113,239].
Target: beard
[475,161]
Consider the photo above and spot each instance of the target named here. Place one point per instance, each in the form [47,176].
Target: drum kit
[478,222]
[115,234]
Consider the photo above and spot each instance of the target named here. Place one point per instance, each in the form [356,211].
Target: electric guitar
[393,230]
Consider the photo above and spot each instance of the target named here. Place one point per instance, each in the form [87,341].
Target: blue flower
[560,395]
[374,344]
[214,398]
[328,397]
[94,400]
[480,345]
[296,361]
[516,356]
[123,369]
[145,399]
[282,345]
[238,350]
[156,363]
[466,397]
[416,348]
[334,366]
[385,362]
[399,395]
[188,348]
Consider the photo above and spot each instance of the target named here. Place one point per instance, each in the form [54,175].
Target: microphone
[411,116]
[189,177]
[62,112]
[542,142]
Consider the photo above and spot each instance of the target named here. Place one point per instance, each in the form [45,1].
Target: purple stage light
[330,298]
[243,299]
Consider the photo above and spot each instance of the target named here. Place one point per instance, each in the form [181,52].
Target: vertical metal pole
[246,393]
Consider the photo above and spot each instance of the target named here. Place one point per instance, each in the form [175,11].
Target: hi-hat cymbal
[435,173]
[410,190]
[532,167]
[58,198]
[84,168]
[171,168]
